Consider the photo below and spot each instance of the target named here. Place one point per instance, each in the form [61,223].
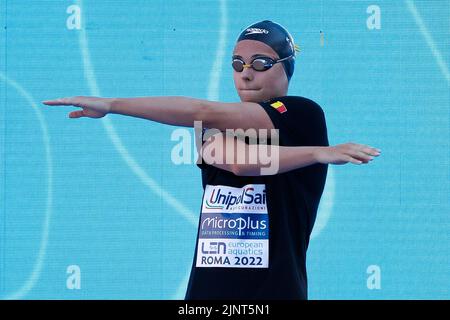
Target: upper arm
[299,121]
[240,115]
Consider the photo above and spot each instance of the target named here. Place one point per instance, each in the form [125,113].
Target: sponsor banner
[223,199]
[232,225]
[233,253]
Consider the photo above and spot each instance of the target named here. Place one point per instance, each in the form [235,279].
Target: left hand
[347,152]
[92,107]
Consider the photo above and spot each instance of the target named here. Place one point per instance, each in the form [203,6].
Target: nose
[247,73]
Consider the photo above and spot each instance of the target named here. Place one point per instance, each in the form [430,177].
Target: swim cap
[276,37]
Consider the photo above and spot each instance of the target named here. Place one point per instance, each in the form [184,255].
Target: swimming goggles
[258,64]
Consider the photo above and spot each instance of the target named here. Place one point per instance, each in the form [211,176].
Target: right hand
[92,107]
[347,152]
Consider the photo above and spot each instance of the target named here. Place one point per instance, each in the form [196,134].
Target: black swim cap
[276,37]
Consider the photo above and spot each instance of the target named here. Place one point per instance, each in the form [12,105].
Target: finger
[371,150]
[363,155]
[353,160]
[76,114]
[360,155]
[356,161]
[366,152]
[368,149]
[58,102]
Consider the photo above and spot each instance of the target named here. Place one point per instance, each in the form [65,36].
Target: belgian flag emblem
[279,106]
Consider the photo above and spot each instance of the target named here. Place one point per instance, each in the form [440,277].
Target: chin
[250,96]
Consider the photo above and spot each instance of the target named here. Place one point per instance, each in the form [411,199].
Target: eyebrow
[255,55]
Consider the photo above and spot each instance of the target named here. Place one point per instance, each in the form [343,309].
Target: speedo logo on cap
[256,31]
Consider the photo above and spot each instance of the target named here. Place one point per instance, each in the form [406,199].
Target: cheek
[274,80]
[235,78]
[279,78]
[279,73]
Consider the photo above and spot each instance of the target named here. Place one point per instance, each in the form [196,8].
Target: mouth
[250,89]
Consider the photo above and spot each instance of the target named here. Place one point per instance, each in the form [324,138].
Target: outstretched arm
[234,155]
[183,111]
[177,111]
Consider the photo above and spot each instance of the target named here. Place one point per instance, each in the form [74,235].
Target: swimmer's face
[258,86]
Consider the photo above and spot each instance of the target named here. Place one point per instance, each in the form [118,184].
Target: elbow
[238,170]
[255,170]
[245,170]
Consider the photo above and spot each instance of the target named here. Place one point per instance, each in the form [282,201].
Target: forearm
[282,159]
[177,111]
